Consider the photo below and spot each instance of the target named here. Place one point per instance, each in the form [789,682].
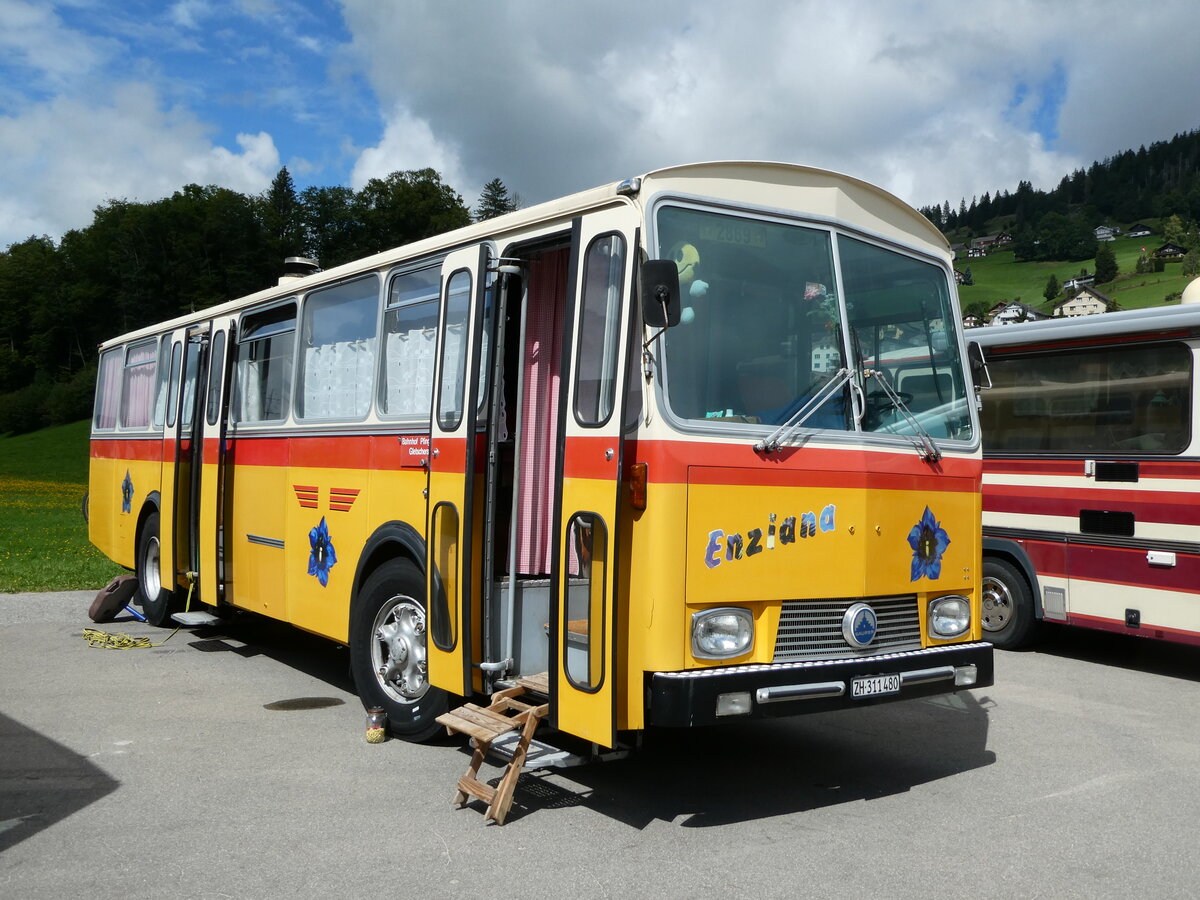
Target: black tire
[387,651]
[1009,620]
[157,602]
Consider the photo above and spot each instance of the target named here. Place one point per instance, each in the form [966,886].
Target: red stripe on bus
[676,461]
[670,461]
[1159,507]
[1126,566]
[146,449]
[1181,468]
[1146,630]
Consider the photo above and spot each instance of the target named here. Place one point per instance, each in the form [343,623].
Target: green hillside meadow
[999,277]
[43,537]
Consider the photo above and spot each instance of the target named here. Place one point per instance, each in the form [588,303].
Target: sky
[932,100]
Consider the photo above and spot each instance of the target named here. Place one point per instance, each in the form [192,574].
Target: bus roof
[827,195]
[1095,327]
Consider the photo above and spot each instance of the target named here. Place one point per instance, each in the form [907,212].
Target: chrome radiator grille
[810,629]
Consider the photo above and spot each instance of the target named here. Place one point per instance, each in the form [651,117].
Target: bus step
[196,617]
[507,715]
[539,754]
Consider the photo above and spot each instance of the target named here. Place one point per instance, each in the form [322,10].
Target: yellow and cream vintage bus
[699,446]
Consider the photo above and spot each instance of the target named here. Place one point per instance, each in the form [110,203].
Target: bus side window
[337,361]
[191,365]
[409,342]
[173,388]
[454,351]
[584,625]
[216,374]
[599,327]
[263,365]
[108,389]
[137,391]
[164,377]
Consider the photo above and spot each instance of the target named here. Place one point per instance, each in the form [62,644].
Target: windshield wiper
[772,442]
[922,439]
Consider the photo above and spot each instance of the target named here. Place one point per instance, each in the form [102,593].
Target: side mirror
[658,286]
[979,369]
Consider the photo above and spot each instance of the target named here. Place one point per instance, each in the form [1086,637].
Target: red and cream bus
[1091,475]
[646,439]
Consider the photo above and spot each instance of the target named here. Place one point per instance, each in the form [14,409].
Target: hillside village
[1157,263]
[1120,234]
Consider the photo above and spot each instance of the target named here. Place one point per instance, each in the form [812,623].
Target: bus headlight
[949,616]
[722,633]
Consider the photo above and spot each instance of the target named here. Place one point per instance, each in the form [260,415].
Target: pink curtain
[139,386]
[108,394]
[539,418]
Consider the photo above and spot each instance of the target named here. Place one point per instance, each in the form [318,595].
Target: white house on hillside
[1012,313]
[1088,302]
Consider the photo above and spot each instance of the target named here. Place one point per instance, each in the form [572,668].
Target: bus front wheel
[158,601]
[1009,621]
[387,651]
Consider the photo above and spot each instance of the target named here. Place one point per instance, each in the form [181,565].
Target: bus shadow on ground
[247,635]
[702,777]
[728,774]
[42,782]
[1126,651]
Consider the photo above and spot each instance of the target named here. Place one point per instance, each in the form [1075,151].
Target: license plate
[875,686]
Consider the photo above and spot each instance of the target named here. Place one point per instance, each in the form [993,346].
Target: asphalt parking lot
[232,763]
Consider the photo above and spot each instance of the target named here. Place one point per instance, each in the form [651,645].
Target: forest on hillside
[1156,182]
[140,263]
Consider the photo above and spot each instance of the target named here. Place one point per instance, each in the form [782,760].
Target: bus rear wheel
[388,638]
[1009,621]
[158,602]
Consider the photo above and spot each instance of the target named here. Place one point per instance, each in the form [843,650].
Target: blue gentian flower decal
[323,557]
[929,541]
[127,493]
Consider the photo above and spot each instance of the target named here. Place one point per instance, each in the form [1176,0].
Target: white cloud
[65,157]
[49,54]
[934,100]
[408,143]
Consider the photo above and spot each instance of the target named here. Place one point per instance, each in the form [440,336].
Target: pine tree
[1052,288]
[282,217]
[495,201]
[1106,264]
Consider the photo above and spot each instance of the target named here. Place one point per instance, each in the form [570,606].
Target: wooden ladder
[484,724]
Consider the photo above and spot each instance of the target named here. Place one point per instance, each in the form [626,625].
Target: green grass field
[1000,277]
[43,537]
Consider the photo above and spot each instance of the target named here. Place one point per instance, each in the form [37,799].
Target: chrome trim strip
[916,655]
[925,676]
[800,691]
[277,543]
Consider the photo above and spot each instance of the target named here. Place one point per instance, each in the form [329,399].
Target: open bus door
[588,506]
[211,425]
[172,503]
[188,452]
[452,569]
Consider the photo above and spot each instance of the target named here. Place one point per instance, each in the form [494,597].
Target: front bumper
[689,698]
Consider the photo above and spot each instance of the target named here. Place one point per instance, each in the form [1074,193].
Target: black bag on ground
[113,598]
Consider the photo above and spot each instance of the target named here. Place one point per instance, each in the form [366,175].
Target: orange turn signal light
[637,485]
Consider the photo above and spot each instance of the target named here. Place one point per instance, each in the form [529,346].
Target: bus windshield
[770,317]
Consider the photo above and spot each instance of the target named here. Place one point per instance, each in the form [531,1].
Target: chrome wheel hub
[997,605]
[151,575]
[398,649]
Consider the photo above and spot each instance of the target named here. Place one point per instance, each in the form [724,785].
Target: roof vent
[298,267]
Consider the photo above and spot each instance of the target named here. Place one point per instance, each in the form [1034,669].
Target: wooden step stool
[484,724]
